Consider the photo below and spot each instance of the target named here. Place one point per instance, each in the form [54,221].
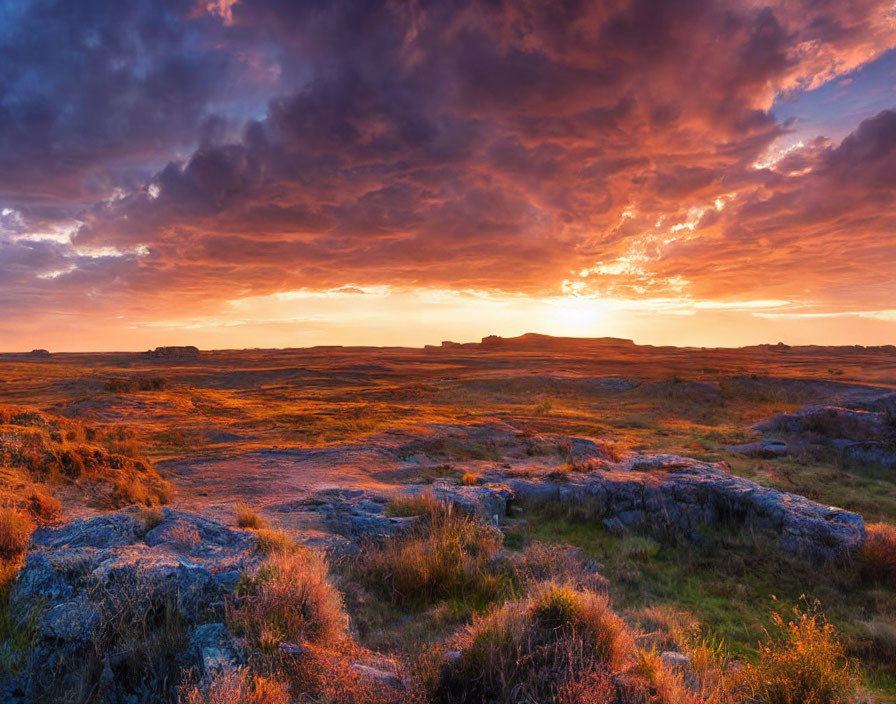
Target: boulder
[765,449]
[109,585]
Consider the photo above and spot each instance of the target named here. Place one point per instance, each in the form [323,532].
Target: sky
[278,173]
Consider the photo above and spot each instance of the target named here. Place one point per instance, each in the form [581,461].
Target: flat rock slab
[680,496]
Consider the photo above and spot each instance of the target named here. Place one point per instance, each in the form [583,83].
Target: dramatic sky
[255,173]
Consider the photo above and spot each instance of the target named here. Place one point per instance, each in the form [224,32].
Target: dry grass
[423,504]
[150,517]
[444,556]
[183,536]
[289,599]
[45,507]
[804,662]
[878,555]
[247,517]
[15,531]
[540,649]
[274,541]
[38,451]
[235,685]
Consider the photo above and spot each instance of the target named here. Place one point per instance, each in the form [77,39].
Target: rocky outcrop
[673,497]
[177,353]
[97,591]
[864,435]
[676,496]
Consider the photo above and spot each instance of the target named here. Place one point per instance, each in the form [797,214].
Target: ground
[270,428]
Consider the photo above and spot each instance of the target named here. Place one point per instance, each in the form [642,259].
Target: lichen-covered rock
[861,435]
[212,647]
[831,422]
[107,585]
[680,496]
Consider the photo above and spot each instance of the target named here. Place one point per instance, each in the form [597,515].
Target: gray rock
[675,660]
[390,679]
[614,525]
[211,647]
[98,578]
[228,579]
[484,501]
[675,495]
[766,449]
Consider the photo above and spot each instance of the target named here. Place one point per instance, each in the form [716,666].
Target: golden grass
[538,648]
[444,556]
[272,541]
[235,685]
[804,662]
[423,504]
[45,507]
[15,531]
[289,599]
[878,555]
[39,450]
[247,517]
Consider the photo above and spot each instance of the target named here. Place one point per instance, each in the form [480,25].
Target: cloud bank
[164,159]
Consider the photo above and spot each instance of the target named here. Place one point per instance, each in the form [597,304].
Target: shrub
[247,517]
[289,599]
[15,530]
[235,685]
[119,386]
[804,663]
[878,555]
[445,555]
[45,507]
[541,649]
[272,542]
[542,562]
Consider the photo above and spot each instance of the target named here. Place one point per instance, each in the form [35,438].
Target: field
[264,431]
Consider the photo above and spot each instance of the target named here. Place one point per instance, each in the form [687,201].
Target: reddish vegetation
[40,452]
[879,552]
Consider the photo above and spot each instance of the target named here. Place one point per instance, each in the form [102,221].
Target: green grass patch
[731,584]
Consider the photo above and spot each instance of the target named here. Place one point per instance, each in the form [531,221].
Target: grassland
[239,406]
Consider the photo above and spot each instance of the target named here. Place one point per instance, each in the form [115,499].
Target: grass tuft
[444,556]
[289,599]
[803,662]
[538,648]
[235,685]
[247,517]
[878,555]
[15,531]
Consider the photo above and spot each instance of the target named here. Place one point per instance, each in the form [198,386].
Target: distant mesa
[182,352]
[534,341]
[40,354]
[537,340]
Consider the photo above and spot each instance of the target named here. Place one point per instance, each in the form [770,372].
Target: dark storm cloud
[501,145]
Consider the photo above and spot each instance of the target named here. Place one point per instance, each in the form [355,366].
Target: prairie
[291,446]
